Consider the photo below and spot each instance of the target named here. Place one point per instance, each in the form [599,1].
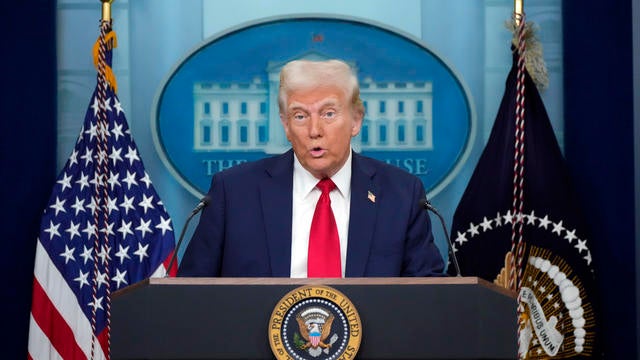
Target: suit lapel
[276,197]
[362,216]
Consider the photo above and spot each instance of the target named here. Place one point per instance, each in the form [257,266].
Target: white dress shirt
[305,197]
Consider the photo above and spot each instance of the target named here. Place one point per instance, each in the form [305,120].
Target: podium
[228,318]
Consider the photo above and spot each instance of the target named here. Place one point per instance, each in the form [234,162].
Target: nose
[315,127]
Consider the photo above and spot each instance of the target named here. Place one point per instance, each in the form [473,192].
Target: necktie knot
[326,185]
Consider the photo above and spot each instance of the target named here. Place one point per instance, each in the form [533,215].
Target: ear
[285,124]
[356,123]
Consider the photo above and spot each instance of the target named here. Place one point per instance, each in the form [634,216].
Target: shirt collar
[305,182]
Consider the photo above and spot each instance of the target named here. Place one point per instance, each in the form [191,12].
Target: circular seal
[313,323]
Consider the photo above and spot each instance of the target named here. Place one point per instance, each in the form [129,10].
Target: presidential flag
[104,228]
[519,224]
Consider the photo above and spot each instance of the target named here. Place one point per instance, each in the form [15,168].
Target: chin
[320,167]
[318,172]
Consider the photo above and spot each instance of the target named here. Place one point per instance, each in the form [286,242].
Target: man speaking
[319,209]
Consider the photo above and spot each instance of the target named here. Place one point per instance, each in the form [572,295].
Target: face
[320,123]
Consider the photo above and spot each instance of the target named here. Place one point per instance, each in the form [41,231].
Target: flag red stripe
[103,339]
[53,324]
[174,267]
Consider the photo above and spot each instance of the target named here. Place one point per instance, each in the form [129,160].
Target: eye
[329,114]
[298,116]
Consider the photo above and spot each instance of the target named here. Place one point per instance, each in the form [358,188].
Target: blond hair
[299,75]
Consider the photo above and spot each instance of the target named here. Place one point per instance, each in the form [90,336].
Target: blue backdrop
[598,142]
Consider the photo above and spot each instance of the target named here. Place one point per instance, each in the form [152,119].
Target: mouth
[317,151]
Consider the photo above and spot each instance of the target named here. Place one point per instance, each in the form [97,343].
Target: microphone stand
[427,205]
[204,202]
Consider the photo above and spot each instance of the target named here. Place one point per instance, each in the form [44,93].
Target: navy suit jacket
[245,231]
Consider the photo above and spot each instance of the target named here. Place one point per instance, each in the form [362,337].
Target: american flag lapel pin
[371,197]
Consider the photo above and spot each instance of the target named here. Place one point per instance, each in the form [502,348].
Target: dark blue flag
[104,228]
[556,288]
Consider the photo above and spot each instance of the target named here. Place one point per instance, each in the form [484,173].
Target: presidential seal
[315,322]
[556,318]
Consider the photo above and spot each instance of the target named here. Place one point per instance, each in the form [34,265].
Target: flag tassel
[111,41]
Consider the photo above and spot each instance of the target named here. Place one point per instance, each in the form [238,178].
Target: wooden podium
[228,318]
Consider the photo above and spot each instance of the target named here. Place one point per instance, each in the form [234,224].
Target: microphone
[201,205]
[426,204]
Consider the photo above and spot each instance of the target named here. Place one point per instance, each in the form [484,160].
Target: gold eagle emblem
[315,333]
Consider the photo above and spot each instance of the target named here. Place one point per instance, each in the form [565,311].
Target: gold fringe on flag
[112,42]
[534,60]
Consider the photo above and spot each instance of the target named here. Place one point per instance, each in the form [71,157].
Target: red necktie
[324,243]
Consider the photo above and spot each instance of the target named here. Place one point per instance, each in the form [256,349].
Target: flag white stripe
[65,301]
[160,272]
[39,346]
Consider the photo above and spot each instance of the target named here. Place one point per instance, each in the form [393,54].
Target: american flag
[104,228]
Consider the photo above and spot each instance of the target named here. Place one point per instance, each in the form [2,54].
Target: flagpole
[101,196]
[518,10]
[106,10]
[517,240]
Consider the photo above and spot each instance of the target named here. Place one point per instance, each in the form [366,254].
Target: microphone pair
[424,203]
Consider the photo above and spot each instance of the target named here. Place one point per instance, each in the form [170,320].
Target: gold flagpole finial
[106,10]
[518,10]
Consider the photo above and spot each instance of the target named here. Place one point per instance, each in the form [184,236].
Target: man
[261,220]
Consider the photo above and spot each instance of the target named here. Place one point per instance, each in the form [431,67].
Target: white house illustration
[244,116]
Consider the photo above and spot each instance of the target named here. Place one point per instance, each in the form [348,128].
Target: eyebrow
[295,106]
[327,103]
